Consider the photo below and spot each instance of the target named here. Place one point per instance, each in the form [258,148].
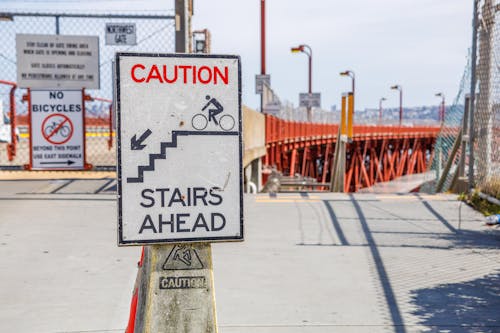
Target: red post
[263,37]
[27,99]
[11,147]
[85,97]
[110,123]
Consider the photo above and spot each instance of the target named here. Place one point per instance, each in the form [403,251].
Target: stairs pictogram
[163,152]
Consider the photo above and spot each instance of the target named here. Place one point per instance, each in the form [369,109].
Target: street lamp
[352,76]
[442,109]
[380,108]
[398,87]
[307,50]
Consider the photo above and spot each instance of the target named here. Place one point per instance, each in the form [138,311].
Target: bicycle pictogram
[57,129]
[200,121]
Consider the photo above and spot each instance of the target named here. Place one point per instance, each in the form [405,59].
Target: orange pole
[343,122]
[350,115]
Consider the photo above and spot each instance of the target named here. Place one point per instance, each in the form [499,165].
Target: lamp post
[380,109]
[398,87]
[262,47]
[307,50]
[353,77]
[442,108]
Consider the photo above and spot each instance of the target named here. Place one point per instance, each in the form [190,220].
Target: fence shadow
[473,239]
[466,307]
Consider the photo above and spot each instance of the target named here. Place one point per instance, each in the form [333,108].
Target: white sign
[179,148]
[57,135]
[57,61]
[310,100]
[121,34]
[260,80]
[272,108]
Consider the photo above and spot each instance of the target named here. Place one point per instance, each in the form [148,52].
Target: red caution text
[184,74]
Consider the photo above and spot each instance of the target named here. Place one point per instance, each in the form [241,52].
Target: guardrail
[280,130]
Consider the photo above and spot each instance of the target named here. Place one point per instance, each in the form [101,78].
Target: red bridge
[373,154]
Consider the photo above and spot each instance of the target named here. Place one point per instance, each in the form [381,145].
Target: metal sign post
[179,179]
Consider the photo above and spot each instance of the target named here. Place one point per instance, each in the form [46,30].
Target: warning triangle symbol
[182,257]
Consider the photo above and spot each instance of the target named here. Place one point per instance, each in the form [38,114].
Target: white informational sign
[272,108]
[57,135]
[57,61]
[312,100]
[121,34]
[179,148]
[260,80]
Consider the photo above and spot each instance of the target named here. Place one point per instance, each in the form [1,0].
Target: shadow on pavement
[462,307]
[390,298]
[472,239]
[466,307]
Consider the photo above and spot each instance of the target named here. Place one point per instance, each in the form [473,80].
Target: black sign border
[121,241]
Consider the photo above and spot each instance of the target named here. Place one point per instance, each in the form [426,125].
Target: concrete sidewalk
[310,263]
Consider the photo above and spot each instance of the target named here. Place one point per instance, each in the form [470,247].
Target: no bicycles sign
[179,148]
[57,140]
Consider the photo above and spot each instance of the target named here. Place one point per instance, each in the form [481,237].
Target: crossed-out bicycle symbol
[199,121]
[57,129]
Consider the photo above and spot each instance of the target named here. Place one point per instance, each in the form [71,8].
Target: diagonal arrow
[136,144]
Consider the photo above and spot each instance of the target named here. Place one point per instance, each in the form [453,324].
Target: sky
[421,45]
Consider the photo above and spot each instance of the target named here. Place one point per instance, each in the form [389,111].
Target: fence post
[465,136]
[483,115]
[183,12]
[473,94]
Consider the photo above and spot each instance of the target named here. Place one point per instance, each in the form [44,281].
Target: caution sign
[183,257]
[179,150]
[57,135]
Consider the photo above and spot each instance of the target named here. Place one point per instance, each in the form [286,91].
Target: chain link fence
[486,117]
[155,34]
[481,80]
[445,162]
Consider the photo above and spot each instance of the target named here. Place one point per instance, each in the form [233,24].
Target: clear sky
[419,44]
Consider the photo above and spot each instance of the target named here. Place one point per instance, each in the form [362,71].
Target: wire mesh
[484,143]
[154,35]
[486,136]
[449,134]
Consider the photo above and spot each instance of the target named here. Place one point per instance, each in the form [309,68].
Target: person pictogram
[183,255]
[215,108]
[199,121]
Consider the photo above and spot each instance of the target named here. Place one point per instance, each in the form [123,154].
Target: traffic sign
[57,134]
[312,100]
[57,61]
[179,148]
